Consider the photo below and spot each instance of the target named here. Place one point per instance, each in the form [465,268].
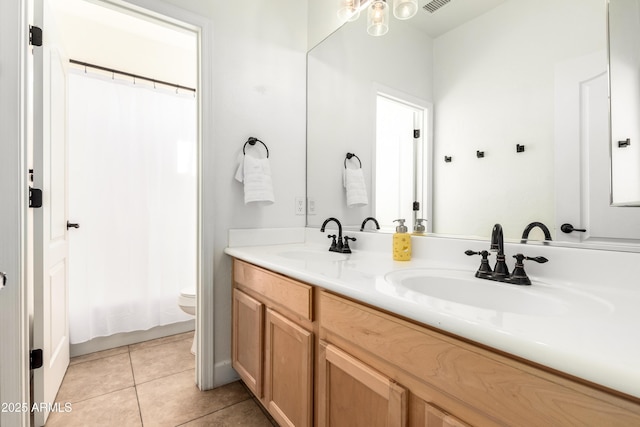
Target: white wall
[322,20]
[259,81]
[484,102]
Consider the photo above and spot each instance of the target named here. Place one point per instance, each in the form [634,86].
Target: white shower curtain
[133,190]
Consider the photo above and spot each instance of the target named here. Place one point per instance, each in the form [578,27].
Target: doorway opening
[402,152]
[132,173]
[49,232]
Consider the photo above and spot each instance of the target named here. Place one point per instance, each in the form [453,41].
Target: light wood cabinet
[288,371]
[247,339]
[316,358]
[273,342]
[353,394]
[434,417]
[453,382]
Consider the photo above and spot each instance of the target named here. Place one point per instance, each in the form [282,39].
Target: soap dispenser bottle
[419,229]
[401,242]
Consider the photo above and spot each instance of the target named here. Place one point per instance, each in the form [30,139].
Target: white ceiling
[451,15]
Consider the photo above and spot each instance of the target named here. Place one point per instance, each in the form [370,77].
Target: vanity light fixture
[377,13]
[348,10]
[405,9]
[378,18]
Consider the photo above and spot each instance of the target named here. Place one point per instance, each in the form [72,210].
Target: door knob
[72,225]
[568,228]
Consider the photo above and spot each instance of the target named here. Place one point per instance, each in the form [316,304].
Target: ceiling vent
[434,5]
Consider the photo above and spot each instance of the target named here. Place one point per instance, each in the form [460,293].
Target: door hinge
[35,35]
[416,133]
[35,358]
[35,197]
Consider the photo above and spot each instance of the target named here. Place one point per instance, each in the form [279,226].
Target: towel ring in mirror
[349,157]
[252,141]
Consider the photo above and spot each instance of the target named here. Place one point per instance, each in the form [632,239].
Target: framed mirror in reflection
[624,72]
[495,85]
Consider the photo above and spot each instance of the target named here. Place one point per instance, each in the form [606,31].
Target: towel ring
[349,157]
[252,141]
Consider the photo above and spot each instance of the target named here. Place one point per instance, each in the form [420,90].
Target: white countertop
[593,336]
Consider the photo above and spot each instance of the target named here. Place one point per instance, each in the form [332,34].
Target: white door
[50,322]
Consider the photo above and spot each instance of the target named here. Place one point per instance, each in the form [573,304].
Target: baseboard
[224,373]
[126,338]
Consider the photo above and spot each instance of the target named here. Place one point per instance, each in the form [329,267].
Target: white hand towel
[353,181]
[255,173]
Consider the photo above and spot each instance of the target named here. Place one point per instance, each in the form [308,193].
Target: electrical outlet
[300,206]
[311,206]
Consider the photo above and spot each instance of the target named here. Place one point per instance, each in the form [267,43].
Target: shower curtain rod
[124,73]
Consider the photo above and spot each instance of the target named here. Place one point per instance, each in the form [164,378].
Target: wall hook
[447,159]
[519,148]
[479,154]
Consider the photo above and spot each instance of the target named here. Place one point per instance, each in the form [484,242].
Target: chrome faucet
[528,228]
[337,244]
[500,272]
[375,221]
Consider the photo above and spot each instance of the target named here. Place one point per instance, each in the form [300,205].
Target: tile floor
[150,384]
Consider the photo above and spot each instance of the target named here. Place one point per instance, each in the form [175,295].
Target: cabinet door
[434,417]
[247,344]
[354,395]
[288,371]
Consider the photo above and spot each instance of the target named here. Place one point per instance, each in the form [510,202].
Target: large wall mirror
[363,93]
[495,86]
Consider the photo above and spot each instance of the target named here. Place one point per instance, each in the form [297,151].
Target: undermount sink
[438,286]
[313,255]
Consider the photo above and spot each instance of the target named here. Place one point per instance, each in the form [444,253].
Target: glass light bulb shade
[354,16]
[348,10]
[405,9]
[378,18]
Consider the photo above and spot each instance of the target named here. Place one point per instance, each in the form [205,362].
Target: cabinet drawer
[504,390]
[280,290]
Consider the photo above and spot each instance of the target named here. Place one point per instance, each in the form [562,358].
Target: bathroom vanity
[325,339]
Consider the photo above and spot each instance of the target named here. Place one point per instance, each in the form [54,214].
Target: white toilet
[187,302]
